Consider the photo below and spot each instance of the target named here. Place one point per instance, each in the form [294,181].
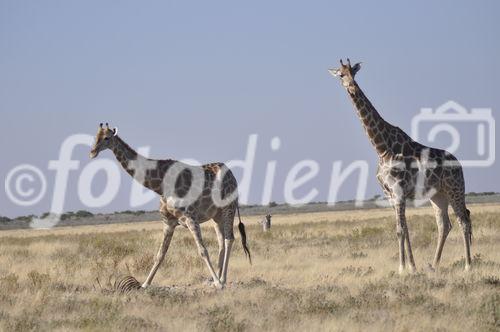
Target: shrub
[25,218]
[83,214]
[135,213]
[67,215]
[4,219]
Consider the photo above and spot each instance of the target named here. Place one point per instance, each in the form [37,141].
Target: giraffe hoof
[218,285]
[467,268]
[431,269]
[401,270]
[412,269]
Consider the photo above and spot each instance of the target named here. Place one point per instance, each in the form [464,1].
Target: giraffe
[410,170]
[189,196]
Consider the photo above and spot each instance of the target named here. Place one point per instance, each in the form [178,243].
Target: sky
[194,79]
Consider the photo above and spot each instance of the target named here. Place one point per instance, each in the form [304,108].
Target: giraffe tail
[241,228]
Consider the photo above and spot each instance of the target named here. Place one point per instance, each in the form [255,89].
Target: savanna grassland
[316,271]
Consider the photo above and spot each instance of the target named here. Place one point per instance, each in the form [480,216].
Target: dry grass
[318,271]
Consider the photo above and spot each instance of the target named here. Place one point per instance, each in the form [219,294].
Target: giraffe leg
[194,227]
[463,216]
[411,261]
[228,243]
[220,239]
[168,232]
[225,220]
[409,252]
[440,205]
[400,216]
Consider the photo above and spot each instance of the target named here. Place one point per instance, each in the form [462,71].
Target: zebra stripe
[127,284]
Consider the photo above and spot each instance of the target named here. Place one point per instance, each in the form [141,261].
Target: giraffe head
[103,139]
[346,73]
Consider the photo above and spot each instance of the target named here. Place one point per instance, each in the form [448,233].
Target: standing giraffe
[409,170]
[190,195]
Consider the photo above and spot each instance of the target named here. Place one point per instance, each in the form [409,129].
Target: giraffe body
[410,170]
[189,196]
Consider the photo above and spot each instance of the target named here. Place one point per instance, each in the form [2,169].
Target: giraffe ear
[115,131]
[356,68]
[334,71]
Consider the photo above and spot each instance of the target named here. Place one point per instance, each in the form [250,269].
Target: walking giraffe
[190,196]
[409,170]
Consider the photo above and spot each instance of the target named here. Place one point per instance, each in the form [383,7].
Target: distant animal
[176,183]
[409,170]
[266,223]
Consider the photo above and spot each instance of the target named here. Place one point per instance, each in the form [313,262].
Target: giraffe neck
[148,172]
[377,129]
